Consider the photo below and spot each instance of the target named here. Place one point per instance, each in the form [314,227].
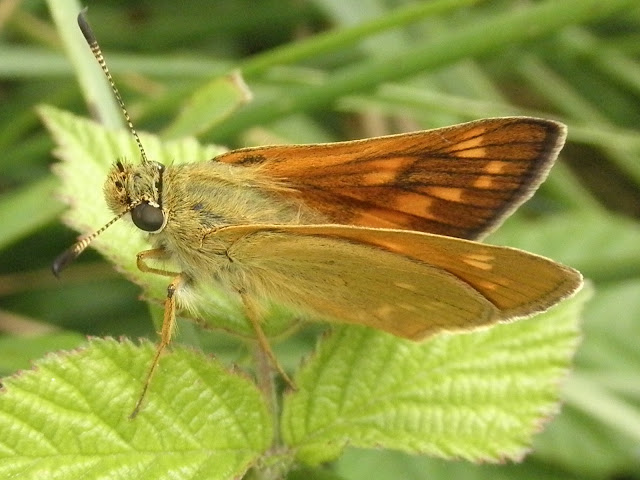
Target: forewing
[459,181]
[406,283]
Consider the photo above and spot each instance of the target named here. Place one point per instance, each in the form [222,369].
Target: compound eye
[147,217]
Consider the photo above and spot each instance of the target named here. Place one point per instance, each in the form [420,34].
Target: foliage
[366,69]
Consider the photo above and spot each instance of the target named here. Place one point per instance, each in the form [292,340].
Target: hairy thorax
[199,199]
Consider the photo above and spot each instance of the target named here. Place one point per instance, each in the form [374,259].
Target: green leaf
[601,399]
[23,211]
[478,396]
[18,352]
[67,418]
[601,413]
[210,105]
[392,465]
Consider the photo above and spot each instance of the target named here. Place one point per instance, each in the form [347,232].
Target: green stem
[92,81]
[335,40]
[266,384]
[476,39]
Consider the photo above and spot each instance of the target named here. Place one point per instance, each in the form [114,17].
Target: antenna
[85,28]
[69,255]
[73,252]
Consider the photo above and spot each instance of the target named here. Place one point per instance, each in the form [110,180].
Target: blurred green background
[328,70]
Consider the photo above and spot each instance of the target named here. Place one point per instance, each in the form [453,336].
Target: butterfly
[381,232]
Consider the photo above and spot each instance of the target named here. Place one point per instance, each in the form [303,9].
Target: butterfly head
[137,189]
[128,189]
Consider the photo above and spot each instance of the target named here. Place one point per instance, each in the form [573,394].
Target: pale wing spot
[472,147]
[408,307]
[477,152]
[475,140]
[495,167]
[383,217]
[483,181]
[414,203]
[486,285]
[483,262]
[384,311]
[383,177]
[446,193]
[482,257]
[480,265]
[406,286]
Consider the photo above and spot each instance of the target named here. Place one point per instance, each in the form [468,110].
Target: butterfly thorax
[210,195]
[181,204]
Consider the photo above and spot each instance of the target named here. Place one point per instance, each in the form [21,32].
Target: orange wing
[460,181]
[410,284]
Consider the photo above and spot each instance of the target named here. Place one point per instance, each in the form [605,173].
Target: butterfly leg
[254,317]
[169,319]
[158,254]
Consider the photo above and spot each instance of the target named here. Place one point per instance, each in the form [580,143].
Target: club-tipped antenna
[85,28]
[73,252]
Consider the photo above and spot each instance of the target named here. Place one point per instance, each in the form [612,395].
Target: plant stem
[472,40]
[266,384]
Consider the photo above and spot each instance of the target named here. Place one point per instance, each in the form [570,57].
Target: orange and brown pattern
[460,181]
